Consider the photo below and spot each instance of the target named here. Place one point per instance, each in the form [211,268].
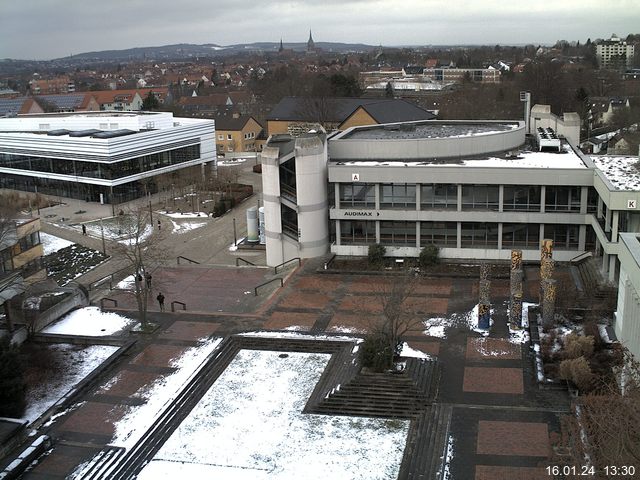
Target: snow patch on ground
[438,326]
[185,214]
[90,322]
[250,425]
[234,247]
[51,244]
[184,227]
[446,475]
[407,351]
[158,396]
[127,283]
[79,362]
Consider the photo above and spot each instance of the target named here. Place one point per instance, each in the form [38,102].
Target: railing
[581,257]
[240,259]
[102,300]
[275,269]
[255,290]
[112,278]
[176,302]
[328,263]
[187,259]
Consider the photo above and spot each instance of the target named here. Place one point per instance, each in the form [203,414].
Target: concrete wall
[568,125]
[345,148]
[271,198]
[627,323]
[311,188]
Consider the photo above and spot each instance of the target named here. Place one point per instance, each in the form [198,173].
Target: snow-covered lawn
[202,215]
[91,322]
[74,363]
[52,244]
[438,326]
[250,425]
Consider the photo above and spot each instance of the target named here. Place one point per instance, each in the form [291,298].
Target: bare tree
[605,430]
[399,317]
[9,279]
[142,250]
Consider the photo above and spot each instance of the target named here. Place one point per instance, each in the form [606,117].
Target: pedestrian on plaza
[84,229]
[138,277]
[159,225]
[147,277]
[160,299]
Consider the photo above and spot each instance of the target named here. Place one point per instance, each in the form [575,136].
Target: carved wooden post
[484,304]
[549,302]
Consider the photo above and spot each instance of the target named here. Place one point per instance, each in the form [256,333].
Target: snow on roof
[524,159]
[622,171]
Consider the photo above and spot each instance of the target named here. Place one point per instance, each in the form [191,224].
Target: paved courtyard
[502,425]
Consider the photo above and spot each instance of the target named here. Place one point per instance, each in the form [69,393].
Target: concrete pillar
[607,221]
[612,268]
[418,240]
[336,194]
[584,195]
[271,198]
[499,236]
[582,238]
[376,189]
[338,233]
[459,239]
[418,196]
[615,220]
[459,198]
[501,199]
[543,195]
[599,211]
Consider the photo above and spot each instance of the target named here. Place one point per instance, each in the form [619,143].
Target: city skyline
[45,30]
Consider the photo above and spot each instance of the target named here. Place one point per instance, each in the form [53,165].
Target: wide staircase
[593,284]
[389,395]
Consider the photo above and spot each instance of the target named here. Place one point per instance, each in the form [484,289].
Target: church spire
[281,47]
[311,46]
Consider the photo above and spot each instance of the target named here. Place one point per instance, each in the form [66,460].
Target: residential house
[236,133]
[625,143]
[72,102]
[50,86]
[296,115]
[19,106]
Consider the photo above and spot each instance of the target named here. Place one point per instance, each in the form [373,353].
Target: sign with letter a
[355,177]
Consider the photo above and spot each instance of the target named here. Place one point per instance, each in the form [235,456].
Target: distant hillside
[188,50]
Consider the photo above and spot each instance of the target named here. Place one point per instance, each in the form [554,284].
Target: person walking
[160,299]
[159,225]
[84,229]
[147,277]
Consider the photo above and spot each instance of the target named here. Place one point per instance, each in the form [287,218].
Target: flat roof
[566,158]
[623,171]
[432,129]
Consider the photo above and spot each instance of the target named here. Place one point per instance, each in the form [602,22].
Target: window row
[445,234]
[107,171]
[474,197]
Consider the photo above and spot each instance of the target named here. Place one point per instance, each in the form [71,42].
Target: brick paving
[492,348]
[94,418]
[293,320]
[513,438]
[491,472]
[472,381]
[181,330]
[158,355]
[493,380]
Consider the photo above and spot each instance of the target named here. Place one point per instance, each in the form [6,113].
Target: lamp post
[104,246]
[235,237]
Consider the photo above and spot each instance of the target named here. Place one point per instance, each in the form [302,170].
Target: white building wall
[627,323]
[271,203]
[311,192]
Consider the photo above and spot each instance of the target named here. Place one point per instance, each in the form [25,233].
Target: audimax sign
[361,213]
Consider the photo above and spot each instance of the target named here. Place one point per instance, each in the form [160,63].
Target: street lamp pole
[104,246]
[235,237]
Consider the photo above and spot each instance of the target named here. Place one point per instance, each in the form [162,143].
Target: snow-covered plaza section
[90,322]
[51,243]
[250,425]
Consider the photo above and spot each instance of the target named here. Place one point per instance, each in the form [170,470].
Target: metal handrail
[255,290]
[102,300]
[187,259]
[275,269]
[239,259]
[582,256]
[173,305]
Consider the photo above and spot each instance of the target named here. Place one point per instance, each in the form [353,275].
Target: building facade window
[439,196]
[565,237]
[480,197]
[398,195]
[525,235]
[562,199]
[521,198]
[442,234]
[398,233]
[357,232]
[357,195]
[592,200]
[479,235]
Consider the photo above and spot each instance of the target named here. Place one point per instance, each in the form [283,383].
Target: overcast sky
[45,29]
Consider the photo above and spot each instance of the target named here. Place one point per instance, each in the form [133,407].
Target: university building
[110,157]
[476,189]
